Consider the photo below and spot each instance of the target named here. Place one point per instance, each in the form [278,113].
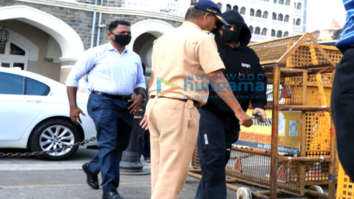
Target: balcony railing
[171,7]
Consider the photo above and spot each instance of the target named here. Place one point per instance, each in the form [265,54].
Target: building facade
[47,36]
[270,19]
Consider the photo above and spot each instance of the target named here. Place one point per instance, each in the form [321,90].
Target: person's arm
[75,111]
[212,65]
[140,93]
[226,94]
[82,67]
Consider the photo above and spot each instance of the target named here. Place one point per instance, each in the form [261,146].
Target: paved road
[31,178]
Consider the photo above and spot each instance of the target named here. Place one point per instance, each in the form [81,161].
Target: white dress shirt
[108,70]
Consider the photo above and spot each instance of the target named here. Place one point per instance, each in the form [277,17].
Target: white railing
[171,7]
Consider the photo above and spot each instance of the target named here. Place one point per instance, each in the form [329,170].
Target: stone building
[47,36]
[270,19]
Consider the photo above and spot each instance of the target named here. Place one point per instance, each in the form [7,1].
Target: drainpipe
[93,25]
[305,16]
[98,40]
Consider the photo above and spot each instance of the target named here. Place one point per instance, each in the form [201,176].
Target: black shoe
[92,179]
[111,195]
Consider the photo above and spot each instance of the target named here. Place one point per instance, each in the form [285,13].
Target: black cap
[210,7]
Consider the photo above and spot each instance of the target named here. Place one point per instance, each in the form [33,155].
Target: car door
[20,103]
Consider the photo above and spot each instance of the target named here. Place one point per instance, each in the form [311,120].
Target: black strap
[121,97]
[196,104]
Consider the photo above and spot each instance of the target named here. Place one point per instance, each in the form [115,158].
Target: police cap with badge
[209,7]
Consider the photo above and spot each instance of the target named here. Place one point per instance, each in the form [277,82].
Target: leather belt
[120,97]
[196,104]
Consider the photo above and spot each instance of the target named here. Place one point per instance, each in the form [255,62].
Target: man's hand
[260,112]
[75,114]
[144,123]
[245,120]
[135,103]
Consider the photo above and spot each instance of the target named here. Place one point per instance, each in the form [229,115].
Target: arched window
[243,10]
[280,17]
[298,22]
[273,33]
[252,12]
[298,6]
[281,1]
[286,33]
[279,33]
[287,2]
[265,14]
[257,31]
[294,21]
[13,55]
[251,29]
[228,7]
[235,8]
[264,31]
[274,16]
[286,19]
[259,13]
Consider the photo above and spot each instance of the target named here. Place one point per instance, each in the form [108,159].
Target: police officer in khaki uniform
[183,62]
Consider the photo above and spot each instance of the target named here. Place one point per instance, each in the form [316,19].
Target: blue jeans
[113,124]
[216,134]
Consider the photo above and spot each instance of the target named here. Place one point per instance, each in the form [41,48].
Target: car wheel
[53,135]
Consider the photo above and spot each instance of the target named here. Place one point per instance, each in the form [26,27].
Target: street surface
[31,178]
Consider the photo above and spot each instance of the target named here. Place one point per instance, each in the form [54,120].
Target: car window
[34,87]
[11,84]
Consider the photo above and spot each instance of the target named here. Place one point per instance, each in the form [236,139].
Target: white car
[34,114]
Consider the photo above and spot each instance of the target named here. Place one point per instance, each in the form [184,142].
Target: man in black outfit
[219,128]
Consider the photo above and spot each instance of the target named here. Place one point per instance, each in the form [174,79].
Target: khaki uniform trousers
[173,126]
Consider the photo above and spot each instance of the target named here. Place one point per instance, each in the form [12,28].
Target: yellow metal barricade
[345,188]
[295,149]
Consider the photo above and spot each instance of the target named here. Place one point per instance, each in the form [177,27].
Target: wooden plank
[251,150]
[303,158]
[285,107]
[274,144]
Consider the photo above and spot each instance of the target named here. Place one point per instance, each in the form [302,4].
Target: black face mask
[122,40]
[229,36]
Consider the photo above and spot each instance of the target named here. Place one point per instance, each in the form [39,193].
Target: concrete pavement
[31,178]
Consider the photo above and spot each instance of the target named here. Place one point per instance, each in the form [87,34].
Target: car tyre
[53,135]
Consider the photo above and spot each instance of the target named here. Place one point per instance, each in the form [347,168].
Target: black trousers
[216,134]
[342,104]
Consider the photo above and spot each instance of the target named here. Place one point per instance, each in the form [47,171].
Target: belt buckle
[190,104]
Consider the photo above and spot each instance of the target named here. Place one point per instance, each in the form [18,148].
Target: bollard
[130,163]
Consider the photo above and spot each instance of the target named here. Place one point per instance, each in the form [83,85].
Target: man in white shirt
[114,74]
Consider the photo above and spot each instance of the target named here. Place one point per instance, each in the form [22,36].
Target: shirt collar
[191,24]
[111,48]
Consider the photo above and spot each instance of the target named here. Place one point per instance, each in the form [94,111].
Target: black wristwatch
[143,93]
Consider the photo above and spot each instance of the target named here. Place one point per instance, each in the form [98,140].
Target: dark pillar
[130,163]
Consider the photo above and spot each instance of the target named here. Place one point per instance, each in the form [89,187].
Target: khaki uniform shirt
[181,61]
